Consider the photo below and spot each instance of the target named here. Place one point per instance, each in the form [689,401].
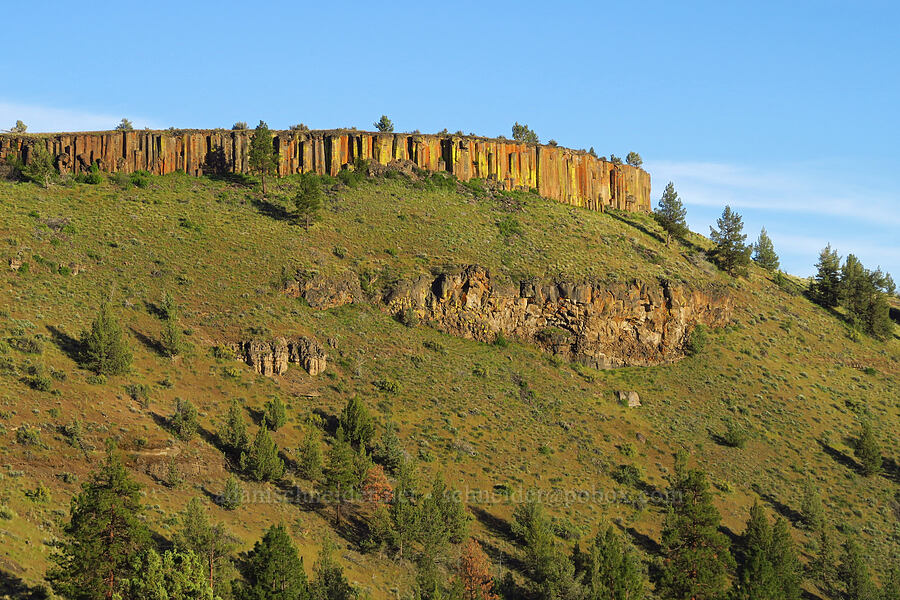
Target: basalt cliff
[569,176]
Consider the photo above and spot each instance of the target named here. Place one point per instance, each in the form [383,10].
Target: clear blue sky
[788,111]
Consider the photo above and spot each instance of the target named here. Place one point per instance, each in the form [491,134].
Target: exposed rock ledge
[603,326]
[272,358]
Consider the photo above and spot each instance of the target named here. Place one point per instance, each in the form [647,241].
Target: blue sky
[787,111]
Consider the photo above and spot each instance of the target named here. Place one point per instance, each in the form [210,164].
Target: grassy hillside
[495,420]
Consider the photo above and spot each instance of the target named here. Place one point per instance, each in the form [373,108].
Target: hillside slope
[496,419]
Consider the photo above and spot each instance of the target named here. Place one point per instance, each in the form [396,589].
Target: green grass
[494,418]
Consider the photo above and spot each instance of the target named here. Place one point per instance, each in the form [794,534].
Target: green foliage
[104,537]
[764,253]
[28,436]
[357,423]
[40,168]
[811,510]
[239,126]
[825,288]
[510,227]
[853,573]
[670,213]
[38,378]
[177,574]
[615,159]
[310,456]
[261,461]
[389,450]
[696,340]
[551,573]
[341,477]
[611,570]
[867,450]
[735,435]
[208,541]
[384,124]
[262,157]
[731,252]
[184,421]
[768,566]
[233,494]
[92,177]
[171,338]
[329,581]
[274,414]
[124,125]
[696,559]
[104,349]
[863,294]
[233,433]
[521,133]
[308,201]
[273,569]
[634,159]
[19,127]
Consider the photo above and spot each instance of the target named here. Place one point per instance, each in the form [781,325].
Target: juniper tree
[825,288]
[611,569]
[384,124]
[184,420]
[211,542]
[785,562]
[274,570]
[357,423]
[104,349]
[696,559]
[389,450]
[853,573]
[170,339]
[634,159]
[233,433]
[308,200]
[811,511]
[867,450]
[310,457]
[262,156]
[104,536]
[522,133]
[274,414]
[670,213]
[764,252]
[261,461]
[232,495]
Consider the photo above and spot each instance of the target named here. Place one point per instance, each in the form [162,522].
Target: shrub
[509,227]
[41,494]
[408,317]
[40,169]
[735,435]
[38,378]
[232,495]
[239,126]
[28,436]
[140,393]
[184,420]
[27,344]
[696,340]
[103,347]
[274,414]
[92,177]
[140,179]
[387,385]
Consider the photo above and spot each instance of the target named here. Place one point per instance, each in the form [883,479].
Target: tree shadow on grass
[69,345]
[781,508]
[839,456]
[13,586]
[272,210]
[149,343]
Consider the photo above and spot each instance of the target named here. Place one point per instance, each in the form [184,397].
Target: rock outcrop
[272,358]
[570,176]
[602,326]
[324,292]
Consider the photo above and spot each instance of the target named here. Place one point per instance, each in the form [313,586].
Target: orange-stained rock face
[562,174]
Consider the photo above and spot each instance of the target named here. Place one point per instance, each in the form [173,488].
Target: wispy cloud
[803,206]
[41,119]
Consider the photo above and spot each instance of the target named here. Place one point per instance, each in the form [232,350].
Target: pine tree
[274,570]
[451,509]
[853,573]
[611,569]
[233,434]
[404,514]
[756,574]
[474,573]
[785,561]
[103,347]
[863,295]
[376,489]
[329,582]
[210,542]
[340,478]
[124,125]
[670,213]
[310,459]
[389,450]
[384,124]
[261,461]
[308,200]
[263,157]
[233,494]
[731,251]
[551,572]
[634,159]
[104,537]
[867,450]
[823,565]
[170,339]
[696,559]
[174,575]
[357,423]
[764,252]
[19,127]
[522,133]
[184,420]
[274,414]
[826,287]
